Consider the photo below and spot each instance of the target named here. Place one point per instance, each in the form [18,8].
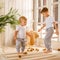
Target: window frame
[50,10]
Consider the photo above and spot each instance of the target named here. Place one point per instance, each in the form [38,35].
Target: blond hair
[22,17]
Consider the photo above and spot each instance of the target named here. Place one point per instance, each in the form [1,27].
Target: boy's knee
[18,49]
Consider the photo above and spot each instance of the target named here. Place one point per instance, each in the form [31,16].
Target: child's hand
[57,33]
[39,30]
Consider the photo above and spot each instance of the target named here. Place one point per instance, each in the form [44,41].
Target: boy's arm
[42,27]
[54,23]
[15,35]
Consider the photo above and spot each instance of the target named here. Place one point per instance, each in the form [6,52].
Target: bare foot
[47,51]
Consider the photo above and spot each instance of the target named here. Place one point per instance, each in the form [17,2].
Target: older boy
[49,23]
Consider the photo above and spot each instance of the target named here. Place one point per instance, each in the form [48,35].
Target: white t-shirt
[49,22]
[21,31]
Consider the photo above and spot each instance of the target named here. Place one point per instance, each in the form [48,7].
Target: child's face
[45,14]
[23,22]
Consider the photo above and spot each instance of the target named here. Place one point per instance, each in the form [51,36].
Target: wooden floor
[34,55]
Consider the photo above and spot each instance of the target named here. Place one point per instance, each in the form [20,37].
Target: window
[55,0]
[41,4]
[39,14]
[55,13]
[53,8]
[44,2]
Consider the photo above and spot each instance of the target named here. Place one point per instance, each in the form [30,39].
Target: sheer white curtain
[25,8]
